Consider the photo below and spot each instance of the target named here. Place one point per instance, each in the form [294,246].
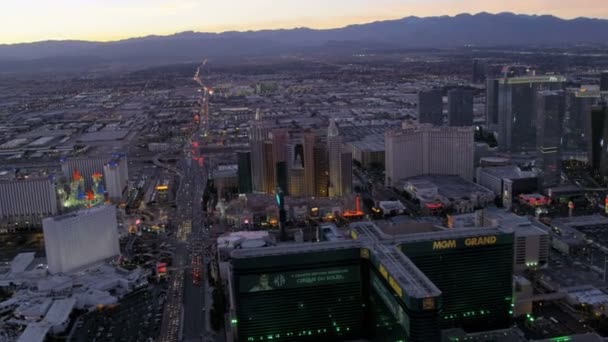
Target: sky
[104,20]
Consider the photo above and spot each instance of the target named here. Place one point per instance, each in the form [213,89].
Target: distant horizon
[292,28]
[116,20]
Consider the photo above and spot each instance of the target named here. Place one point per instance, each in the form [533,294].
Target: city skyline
[282,171]
[68,20]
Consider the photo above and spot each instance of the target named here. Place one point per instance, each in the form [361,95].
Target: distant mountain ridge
[482,29]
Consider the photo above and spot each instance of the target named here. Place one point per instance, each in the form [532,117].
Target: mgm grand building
[374,286]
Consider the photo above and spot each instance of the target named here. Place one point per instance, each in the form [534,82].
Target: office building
[280,139]
[116,176]
[578,107]
[321,169]
[244,171]
[430,107]
[295,166]
[460,107]
[282,176]
[604,81]
[334,149]
[309,162]
[86,167]
[80,239]
[492,104]
[346,173]
[340,164]
[24,203]
[550,110]
[479,70]
[598,140]
[426,150]
[296,185]
[507,182]
[517,112]
[269,181]
[258,135]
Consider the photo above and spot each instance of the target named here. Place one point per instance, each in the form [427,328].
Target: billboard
[295,279]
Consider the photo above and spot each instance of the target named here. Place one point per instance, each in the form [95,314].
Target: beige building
[426,150]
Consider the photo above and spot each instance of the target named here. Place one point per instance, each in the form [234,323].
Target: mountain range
[482,29]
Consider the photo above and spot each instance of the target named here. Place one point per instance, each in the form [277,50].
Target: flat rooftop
[508,172]
[34,332]
[103,136]
[60,311]
[406,226]
[450,186]
[533,79]
[81,212]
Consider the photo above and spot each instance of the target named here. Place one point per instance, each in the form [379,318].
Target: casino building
[374,286]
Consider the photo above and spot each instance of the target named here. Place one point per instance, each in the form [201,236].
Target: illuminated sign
[285,280]
[480,241]
[161,268]
[468,242]
[444,244]
[278,199]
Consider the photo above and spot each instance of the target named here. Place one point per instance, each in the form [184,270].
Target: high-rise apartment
[116,176]
[517,112]
[460,107]
[550,113]
[26,202]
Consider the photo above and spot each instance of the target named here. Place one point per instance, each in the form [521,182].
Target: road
[195,322]
[186,307]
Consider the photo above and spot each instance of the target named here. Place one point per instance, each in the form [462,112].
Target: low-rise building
[450,191]
[507,182]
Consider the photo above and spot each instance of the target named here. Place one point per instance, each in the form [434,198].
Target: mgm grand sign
[468,242]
